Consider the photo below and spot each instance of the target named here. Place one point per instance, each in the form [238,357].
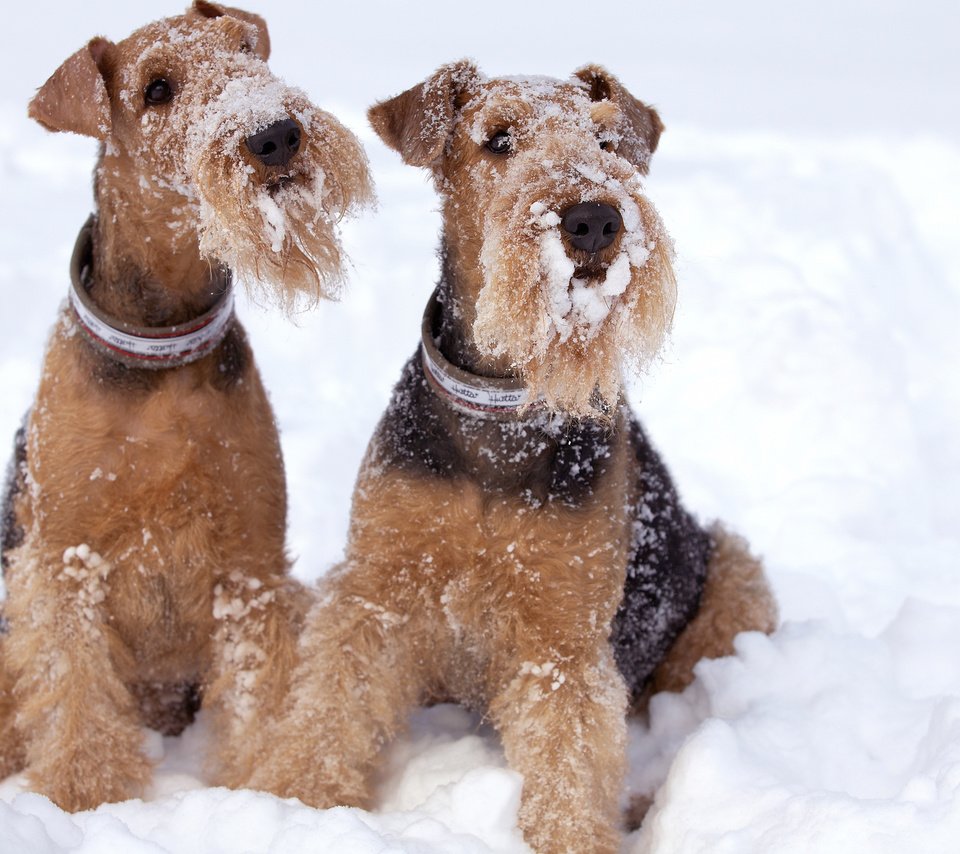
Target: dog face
[193,122]
[541,181]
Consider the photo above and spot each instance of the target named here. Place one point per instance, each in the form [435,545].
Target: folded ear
[417,123]
[640,126]
[75,97]
[261,46]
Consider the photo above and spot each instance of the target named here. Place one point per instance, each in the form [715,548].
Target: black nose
[276,145]
[592,226]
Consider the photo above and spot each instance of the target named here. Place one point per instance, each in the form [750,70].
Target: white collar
[150,347]
[497,397]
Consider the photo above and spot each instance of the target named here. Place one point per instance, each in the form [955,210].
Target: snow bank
[217,821]
[813,740]
[444,789]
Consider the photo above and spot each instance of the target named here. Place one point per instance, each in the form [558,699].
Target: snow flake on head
[530,106]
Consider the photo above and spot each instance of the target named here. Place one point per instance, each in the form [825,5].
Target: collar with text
[151,347]
[497,397]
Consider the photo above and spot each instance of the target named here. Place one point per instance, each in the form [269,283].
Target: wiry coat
[145,518]
[512,562]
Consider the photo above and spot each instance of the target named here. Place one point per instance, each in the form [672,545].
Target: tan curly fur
[151,507]
[471,573]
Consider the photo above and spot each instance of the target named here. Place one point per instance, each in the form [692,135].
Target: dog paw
[308,777]
[79,787]
[92,769]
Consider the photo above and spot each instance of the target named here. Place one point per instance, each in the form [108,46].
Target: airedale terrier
[516,544]
[145,518]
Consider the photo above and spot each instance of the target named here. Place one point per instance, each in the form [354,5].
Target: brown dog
[145,515]
[516,544]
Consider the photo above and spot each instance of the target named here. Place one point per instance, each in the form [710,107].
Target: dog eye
[246,47]
[157,91]
[500,143]
[606,145]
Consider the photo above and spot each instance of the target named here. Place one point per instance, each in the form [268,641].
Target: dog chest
[173,489]
[486,567]
[162,613]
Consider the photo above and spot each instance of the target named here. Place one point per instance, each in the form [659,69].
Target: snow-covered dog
[516,544]
[145,517]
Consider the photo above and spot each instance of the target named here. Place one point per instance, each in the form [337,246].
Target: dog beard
[278,232]
[570,336]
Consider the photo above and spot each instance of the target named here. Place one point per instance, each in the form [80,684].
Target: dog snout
[277,144]
[592,226]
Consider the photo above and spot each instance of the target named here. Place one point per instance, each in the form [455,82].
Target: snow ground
[810,175]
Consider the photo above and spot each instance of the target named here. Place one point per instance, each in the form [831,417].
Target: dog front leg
[352,692]
[258,626]
[82,737]
[562,723]
[11,742]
